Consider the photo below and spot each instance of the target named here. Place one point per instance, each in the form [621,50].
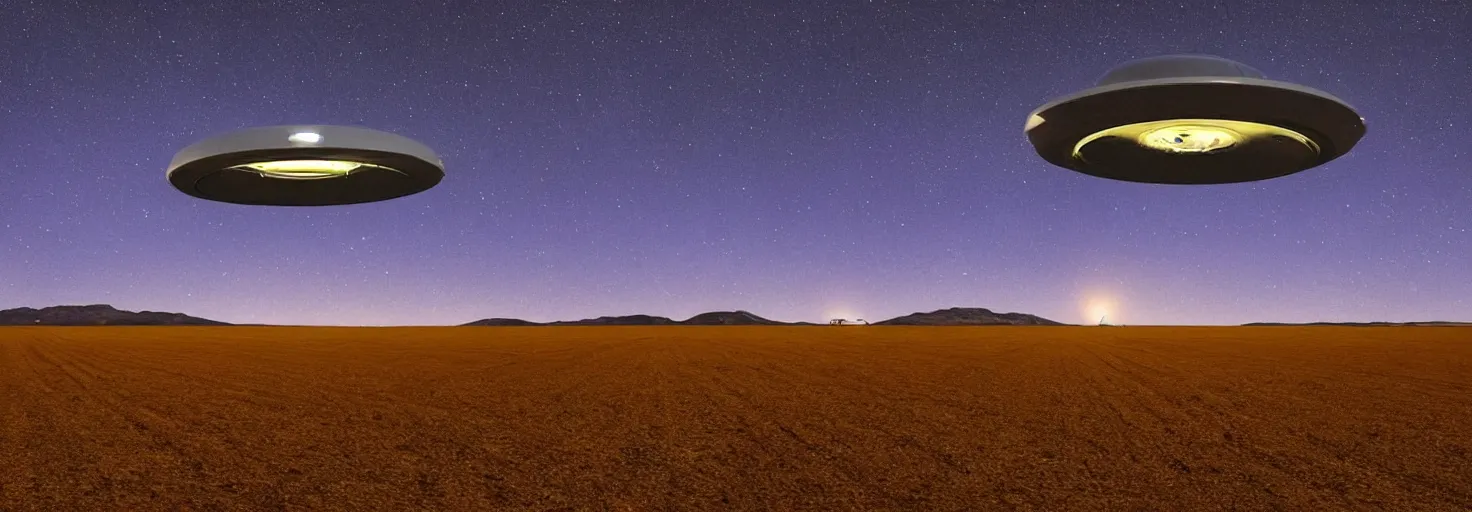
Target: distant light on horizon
[1099,307]
[844,312]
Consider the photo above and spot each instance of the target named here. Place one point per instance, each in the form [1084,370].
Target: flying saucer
[305,165]
[1193,120]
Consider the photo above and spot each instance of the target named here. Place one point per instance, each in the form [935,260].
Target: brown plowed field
[715,418]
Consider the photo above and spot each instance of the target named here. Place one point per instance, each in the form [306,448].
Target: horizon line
[824,323]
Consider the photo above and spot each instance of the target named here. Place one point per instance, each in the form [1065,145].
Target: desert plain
[735,418]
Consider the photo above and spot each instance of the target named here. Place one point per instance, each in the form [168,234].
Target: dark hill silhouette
[712,318]
[968,316]
[502,322]
[952,316]
[104,314]
[619,320]
[730,318]
[96,314]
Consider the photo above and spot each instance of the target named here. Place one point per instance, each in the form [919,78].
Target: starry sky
[803,160]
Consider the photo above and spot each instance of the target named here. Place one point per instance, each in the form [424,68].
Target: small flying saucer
[305,165]
[1193,120]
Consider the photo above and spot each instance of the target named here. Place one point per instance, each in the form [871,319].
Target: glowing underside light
[305,138]
[306,169]
[1195,135]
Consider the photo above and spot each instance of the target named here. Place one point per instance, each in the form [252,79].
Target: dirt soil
[718,418]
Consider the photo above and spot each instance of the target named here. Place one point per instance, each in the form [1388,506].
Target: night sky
[802,160]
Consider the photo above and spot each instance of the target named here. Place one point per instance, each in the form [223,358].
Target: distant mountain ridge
[729,318]
[712,318]
[501,322]
[952,316]
[103,314]
[968,316]
[618,320]
[96,314]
